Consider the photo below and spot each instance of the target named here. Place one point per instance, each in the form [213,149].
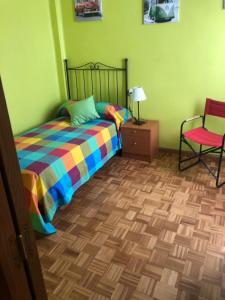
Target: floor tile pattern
[139,231]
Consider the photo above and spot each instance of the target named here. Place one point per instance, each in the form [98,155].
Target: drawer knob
[135,143]
[134,131]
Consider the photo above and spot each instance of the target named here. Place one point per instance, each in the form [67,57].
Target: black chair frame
[198,155]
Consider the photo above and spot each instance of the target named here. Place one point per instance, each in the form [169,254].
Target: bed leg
[119,152]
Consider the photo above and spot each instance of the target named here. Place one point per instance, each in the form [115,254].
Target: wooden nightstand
[140,142]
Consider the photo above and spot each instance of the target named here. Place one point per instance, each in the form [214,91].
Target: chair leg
[180,150]
[187,159]
[200,153]
[218,184]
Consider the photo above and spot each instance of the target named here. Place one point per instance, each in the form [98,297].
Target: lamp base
[139,122]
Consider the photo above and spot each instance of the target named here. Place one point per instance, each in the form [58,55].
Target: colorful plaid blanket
[56,159]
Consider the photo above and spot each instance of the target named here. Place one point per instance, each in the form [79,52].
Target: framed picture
[161,11]
[88,10]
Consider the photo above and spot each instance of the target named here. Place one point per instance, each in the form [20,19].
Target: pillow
[82,111]
[114,112]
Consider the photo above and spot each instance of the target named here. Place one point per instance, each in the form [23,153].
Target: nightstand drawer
[130,132]
[139,144]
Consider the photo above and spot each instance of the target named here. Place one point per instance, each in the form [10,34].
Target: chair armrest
[189,120]
[193,118]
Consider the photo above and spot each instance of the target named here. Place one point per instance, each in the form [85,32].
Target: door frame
[14,190]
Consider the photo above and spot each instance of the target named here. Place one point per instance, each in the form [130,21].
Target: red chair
[214,142]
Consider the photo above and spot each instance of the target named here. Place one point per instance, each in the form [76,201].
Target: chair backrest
[215,108]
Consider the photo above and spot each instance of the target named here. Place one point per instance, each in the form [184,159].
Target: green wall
[31,77]
[178,65]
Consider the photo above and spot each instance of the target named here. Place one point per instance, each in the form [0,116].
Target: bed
[56,159]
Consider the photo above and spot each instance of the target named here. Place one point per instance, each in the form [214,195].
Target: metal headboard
[105,82]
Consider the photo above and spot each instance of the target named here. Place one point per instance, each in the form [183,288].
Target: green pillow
[82,111]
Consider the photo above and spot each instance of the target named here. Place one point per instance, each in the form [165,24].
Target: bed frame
[105,82]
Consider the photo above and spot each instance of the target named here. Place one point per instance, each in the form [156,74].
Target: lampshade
[138,94]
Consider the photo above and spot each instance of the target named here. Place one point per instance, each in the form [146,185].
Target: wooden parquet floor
[139,231]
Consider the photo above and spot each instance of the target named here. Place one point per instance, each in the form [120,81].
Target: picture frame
[88,10]
[161,11]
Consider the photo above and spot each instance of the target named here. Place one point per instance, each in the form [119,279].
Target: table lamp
[138,95]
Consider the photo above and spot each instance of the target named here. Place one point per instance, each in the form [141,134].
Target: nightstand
[140,141]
